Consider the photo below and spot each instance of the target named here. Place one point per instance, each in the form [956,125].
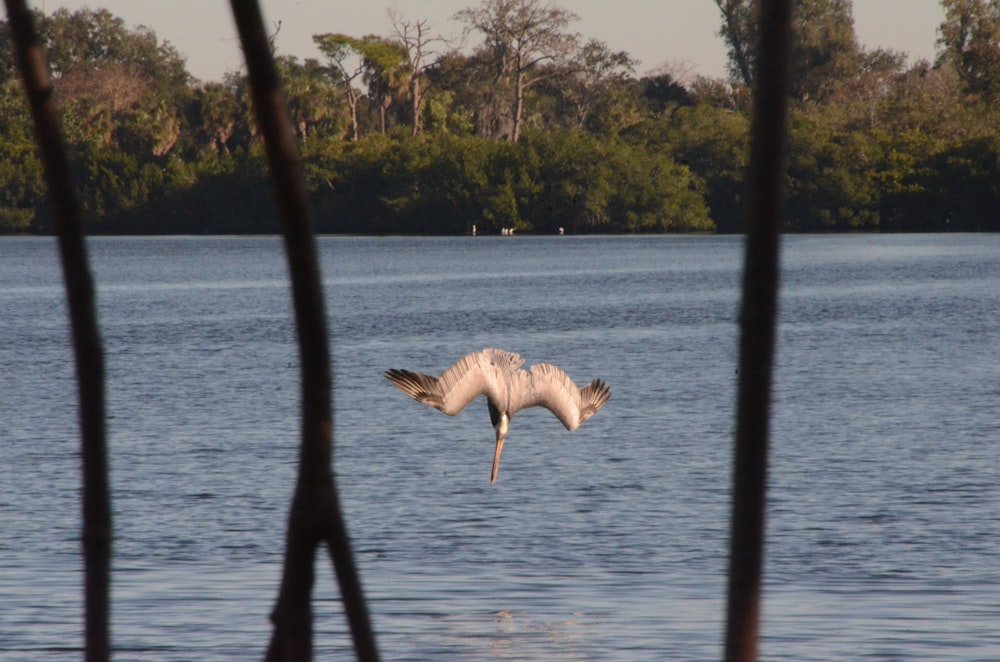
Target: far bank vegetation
[525,124]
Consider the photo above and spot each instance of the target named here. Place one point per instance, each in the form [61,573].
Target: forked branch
[315,512]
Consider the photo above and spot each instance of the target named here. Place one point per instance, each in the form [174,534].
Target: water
[605,543]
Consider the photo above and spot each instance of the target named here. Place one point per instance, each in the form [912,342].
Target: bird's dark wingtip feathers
[415,385]
[602,391]
[405,381]
[593,396]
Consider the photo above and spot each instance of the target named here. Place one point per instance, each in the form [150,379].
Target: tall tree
[824,50]
[113,80]
[308,92]
[346,67]
[413,35]
[379,62]
[824,54]
[457,90]
[90,39]
[739,30]
[386,64]
[218,108]
[593,74]
[970,41]
[519,36]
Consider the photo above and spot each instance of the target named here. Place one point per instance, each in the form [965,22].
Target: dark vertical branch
[315,512]
[758,320]
[86,336]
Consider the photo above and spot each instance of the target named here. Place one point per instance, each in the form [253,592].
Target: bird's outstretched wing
[453,389]
[553,389]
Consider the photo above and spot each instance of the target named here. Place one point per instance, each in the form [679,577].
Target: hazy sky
[653,31]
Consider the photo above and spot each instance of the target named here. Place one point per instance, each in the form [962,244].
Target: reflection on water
[607,543]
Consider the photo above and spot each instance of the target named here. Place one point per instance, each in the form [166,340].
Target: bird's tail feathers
[501,357]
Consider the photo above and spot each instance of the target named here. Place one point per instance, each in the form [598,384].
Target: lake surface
[609,542]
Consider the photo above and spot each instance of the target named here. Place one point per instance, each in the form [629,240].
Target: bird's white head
[502,424]
[501,428]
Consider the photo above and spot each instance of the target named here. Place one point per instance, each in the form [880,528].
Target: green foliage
[609,185]
[395,141]
[830,180]
[447,184]
[823,52]
[955,189]
[400,184]
[22,189]
[970,37]
[715,144]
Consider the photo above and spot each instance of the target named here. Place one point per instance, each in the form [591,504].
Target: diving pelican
[497,374]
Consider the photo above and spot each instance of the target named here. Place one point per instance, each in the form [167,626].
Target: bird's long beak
[501,435]
[496,460]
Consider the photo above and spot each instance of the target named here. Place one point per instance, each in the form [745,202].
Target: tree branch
[315,515]
[85,332]
[758,321]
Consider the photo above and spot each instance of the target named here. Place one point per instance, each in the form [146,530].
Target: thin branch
[86,334]
[758,321]
[315,515]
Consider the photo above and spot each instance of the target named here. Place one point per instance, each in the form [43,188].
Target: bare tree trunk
[758,320]
[85,331]
[518,107]
[315,515]
[352,100]
[415,101]
[411,35]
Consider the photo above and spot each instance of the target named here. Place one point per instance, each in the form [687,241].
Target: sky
[681,34]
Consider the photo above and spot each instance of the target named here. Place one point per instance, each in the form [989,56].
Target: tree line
[533,128]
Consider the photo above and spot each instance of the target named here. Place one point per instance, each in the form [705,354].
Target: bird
[508,388]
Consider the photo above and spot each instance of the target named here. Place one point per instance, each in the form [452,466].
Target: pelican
[497,374]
